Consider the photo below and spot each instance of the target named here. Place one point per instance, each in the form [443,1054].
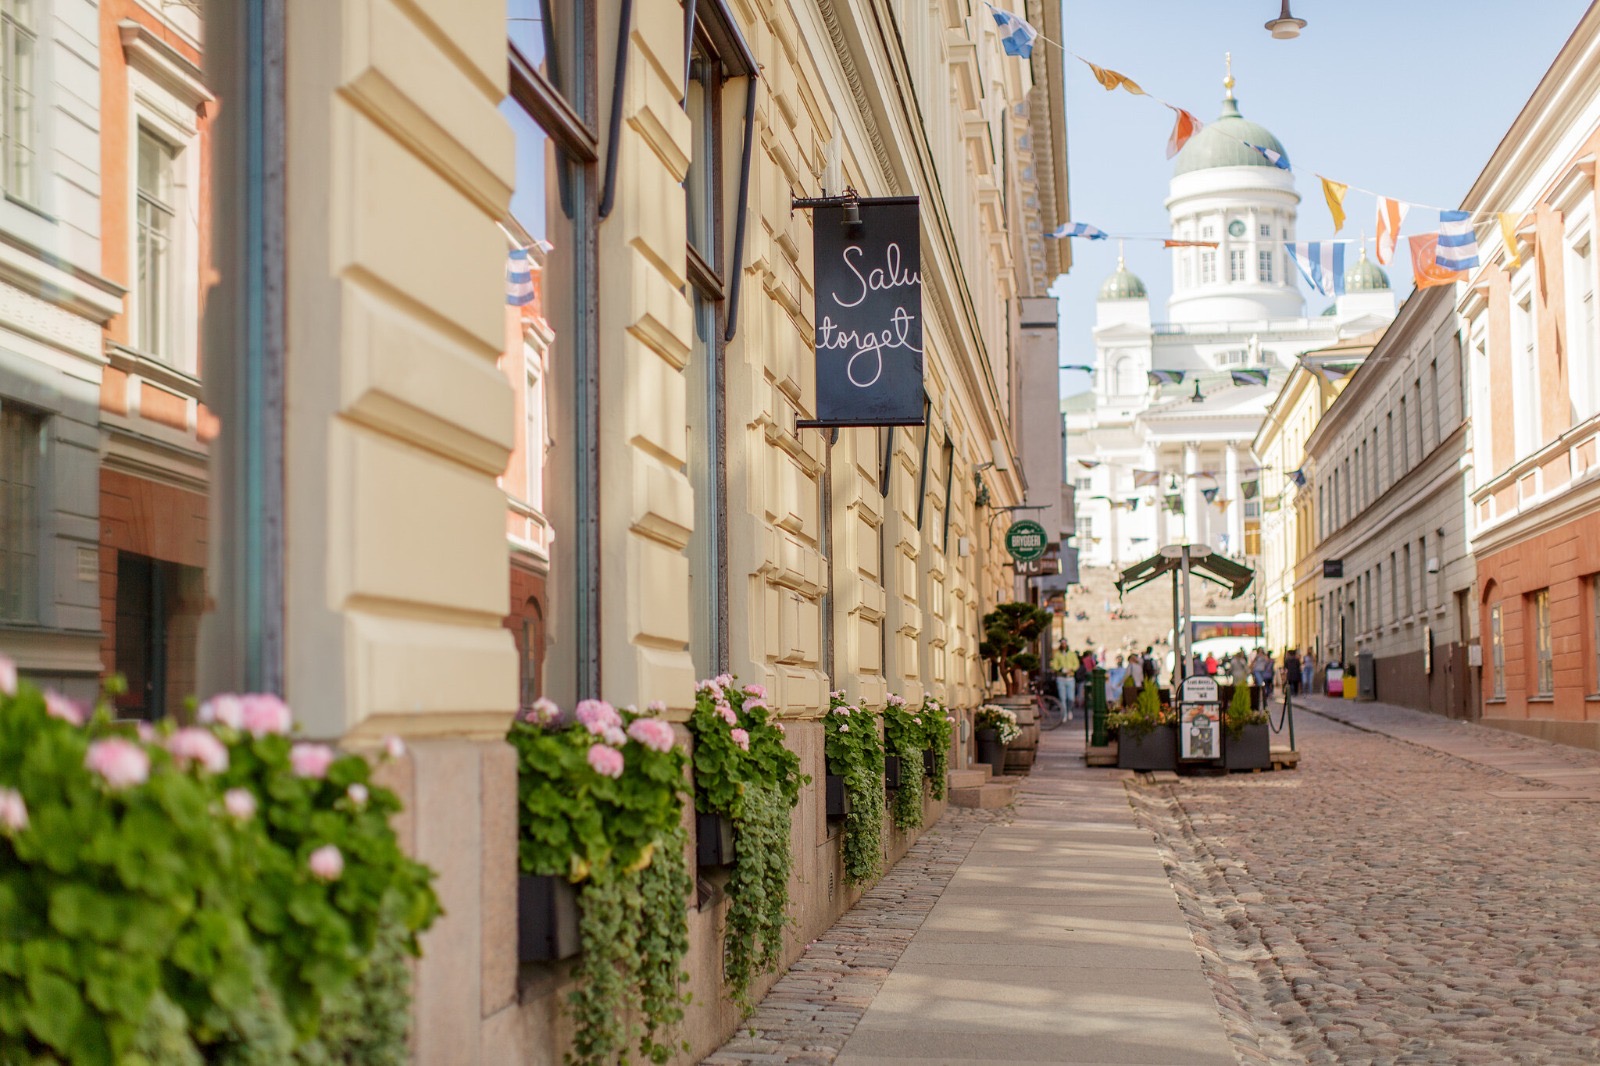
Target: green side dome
[1330,310]
[1365,276]
[1223,143]
[1123,285]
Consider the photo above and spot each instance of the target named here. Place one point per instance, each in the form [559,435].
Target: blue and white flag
[1016,36]
[1164,377]
[1271,155]
[1076,229]
[1249,377]
[519,278]
[1458,245]
[1321,263]
[1298,477]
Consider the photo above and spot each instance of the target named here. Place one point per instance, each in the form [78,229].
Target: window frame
[1543,645]
[1497,652]
[24,566]
[28,188]
[1264,265]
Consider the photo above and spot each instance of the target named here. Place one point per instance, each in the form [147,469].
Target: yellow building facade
[359,548]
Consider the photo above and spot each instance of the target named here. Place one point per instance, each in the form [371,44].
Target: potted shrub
[1246,740]
[600,797]
[995,727]
[1009,634]
[745,772]
[938,729]
[1147,733]
[855,754]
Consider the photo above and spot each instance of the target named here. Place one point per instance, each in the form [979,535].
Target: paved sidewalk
[1058,939]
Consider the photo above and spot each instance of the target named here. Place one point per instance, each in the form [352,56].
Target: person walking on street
[1238,668]
[1261,669]
[1291,671]
[1308,672]
[1211,664]
[1065,665]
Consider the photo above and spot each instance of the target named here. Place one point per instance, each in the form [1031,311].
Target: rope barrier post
[1097,704]
[1288,712]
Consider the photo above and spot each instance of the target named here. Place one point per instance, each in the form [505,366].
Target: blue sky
[1406,97]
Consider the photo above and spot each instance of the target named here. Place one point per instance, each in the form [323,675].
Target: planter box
[838,797]
[1252,751]
[713,839]
[991,751]
[1156,750]
[891,771]
[547,918]
[927,763]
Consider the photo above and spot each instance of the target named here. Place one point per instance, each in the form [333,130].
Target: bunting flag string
[1426,270]
[1508,234]
[1458,245]
[1390,214]
[1298,477]
[519,278]
[1321,263]
[1250,377]
[1145,479]
[1076,229]
[1210,495]
[1333,192]
[1249,489]
[1276,158]
[1164,377]
[1016,35]
[1184,127]
[1112,80]
[1170,243]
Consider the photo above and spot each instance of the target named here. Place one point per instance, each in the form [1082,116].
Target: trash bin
[1349,686]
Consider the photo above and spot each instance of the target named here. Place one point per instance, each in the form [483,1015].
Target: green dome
[1123,285]
[1330,310]
[1223,143]
[1366,276]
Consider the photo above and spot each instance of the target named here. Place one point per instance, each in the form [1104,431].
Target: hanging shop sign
[869,312]
[1333,568]
[1200,722]
[1025,540]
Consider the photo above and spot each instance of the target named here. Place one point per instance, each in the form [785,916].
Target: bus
[1222,635]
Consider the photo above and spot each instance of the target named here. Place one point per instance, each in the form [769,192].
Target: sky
[1405,97]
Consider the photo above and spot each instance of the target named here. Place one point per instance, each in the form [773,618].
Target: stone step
[985,797]
[969,778]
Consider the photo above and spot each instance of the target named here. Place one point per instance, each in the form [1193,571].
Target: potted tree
[1246,741]
[1009,633]
[1147,733]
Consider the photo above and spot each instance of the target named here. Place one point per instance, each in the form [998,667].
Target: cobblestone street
[1419,891]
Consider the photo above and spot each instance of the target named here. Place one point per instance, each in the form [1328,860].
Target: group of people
[1072,669]
[1298,670]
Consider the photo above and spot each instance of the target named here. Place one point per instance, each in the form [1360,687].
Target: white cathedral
[1233,307]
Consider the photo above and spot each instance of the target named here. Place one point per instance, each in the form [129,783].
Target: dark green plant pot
[891,771]
[991,751]
[1251,751]
[1156,750]
[927,762]
[547,918]
[713,839]
[838,797]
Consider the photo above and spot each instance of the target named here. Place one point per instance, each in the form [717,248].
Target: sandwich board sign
[1200,719]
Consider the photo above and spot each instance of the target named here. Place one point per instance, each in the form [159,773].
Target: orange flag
[1424,263]
[1112,80]
[1390,214]
[1184,127]
[1189,244]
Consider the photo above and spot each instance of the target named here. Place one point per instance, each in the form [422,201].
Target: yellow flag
[1333,192]
[1111,80]
[1508,230]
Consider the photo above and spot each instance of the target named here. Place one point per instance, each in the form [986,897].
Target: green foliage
[144,923]
[1008,632]
[903,734]
[622,839]
[938,728]
[1002,721]
[1240,714]
[1142,715]
[855,753]
[756,783]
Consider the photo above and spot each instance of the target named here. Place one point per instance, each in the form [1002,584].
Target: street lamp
[1285,27]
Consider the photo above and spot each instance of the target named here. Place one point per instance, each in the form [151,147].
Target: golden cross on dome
[1227,82]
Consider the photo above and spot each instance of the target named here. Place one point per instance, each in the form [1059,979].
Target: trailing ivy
[601,804]
[744,771]
[938,727]
[855,753]
[903,736]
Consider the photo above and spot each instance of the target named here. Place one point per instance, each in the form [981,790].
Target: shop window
[21,453]
[1497,653]
[1545,677]
[18,44]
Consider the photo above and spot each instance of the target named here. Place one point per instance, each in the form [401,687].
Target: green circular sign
[1026,541]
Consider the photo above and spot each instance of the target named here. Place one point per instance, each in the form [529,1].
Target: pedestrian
[1308,672]
[1197,665]
[1261,669]
[1065,665]
[1114,678]
[1211,664]
[1136,671]
[1238,668]
[1152,672]
[1081,676]
[1291,671]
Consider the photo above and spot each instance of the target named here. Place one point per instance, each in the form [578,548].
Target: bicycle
[1051,713]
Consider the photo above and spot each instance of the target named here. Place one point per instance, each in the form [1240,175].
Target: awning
[1219,569]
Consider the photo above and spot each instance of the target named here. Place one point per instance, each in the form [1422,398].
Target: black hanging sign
[869,312]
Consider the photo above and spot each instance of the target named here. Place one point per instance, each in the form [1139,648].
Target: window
[1585,380]
[1546,676]
[1594,628]
[1235,357]
[1264,261]
[17,46]
[157,278]
[1236,265]
[1266,229]
[1435,401]
[1405,439]
[1082,484]
[21,449]
[533,423]
[532,652]
[1208,232]
[1388,421]
[1411,607]
[1085,532]
[1525,392]
[1208,266]
[1497,652]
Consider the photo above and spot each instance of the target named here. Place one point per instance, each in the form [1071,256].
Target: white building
[1233,307]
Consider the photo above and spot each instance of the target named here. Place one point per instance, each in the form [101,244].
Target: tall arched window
[531,670]
[1128,379]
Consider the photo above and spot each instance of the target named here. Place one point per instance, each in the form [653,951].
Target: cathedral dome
[1226,143]
[1123,285]
[1365,276]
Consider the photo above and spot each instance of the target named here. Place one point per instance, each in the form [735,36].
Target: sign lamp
[1285,27]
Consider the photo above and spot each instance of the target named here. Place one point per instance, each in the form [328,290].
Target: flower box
[1155,750]
[547,918]
[1251,751]
[928,762]
[713,839]
[838,797]
[891,771]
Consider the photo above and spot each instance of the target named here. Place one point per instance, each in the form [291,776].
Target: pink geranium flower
[755,690]
[226,709]
[652,733]
[119,762]
[310,760]
[394,747]
[8,677]
[240,803]
[656,706]
[727,714]
[779,727]
[607,762]
[741,738]
[13,811]
[195,745]
[358,794]
[844,728]
[327,863]
[58,706]
[597,716]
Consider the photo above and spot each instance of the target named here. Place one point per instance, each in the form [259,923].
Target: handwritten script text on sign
[871,342]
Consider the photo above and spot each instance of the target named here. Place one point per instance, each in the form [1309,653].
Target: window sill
[1495,701]
[1593,697]
[32,209]
[153,370]
[1541,699]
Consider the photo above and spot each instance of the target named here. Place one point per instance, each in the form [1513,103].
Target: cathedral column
[1191,494]
[1234,515]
